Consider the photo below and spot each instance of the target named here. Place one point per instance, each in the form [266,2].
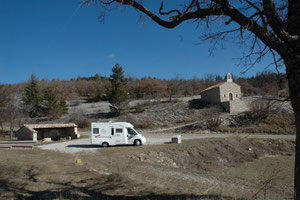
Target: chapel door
[230,97]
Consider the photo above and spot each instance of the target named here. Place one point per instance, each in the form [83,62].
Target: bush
[138,108]
[213,119]
[259,110]
[275,123]
[80,121]
[143,124]
[114,111]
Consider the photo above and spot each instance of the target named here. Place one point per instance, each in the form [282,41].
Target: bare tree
[173,87]
[265,27]
[11,113]
[15,117]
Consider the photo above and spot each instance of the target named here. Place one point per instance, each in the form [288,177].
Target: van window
[131,131]
[119,130]
[112,131]
[95,130]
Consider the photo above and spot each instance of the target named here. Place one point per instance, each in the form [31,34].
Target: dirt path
[79,145]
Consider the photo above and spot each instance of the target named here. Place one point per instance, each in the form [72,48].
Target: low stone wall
[235,106]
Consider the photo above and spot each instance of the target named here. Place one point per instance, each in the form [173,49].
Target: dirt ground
[231,168]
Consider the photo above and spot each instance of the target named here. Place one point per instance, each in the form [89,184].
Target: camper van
[115,133]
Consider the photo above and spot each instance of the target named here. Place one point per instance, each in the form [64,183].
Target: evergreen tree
[63,105]
[118,92]
[32,98]
[52,107]
[51,104]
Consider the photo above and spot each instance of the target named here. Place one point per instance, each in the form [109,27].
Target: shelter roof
[38,126]
[31,127]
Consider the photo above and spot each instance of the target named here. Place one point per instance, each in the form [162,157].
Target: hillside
[233,168]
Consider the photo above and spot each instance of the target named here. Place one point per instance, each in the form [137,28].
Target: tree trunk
[292,63]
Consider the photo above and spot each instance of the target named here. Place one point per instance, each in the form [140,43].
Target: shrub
[138,122]
[259,110]
[213,119]
[114,111]
[138,108]
[143,124]
[80,121]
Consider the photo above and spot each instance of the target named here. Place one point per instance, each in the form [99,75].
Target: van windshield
[131,131]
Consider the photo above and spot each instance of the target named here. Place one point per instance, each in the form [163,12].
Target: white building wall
[230,87]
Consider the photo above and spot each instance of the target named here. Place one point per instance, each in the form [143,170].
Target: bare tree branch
[167,13]
[273,18]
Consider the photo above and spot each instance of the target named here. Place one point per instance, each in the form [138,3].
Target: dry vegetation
[235,168]
[275,123]
[87,103]
[164,115]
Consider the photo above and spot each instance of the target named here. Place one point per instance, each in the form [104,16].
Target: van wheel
[105,144]
[137,143]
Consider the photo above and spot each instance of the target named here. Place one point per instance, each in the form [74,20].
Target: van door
[120,135]
[117,135]
[112,136]
[131,135]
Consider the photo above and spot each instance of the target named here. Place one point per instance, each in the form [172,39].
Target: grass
[204,169]
[197,165]
[267,177]
[275,123]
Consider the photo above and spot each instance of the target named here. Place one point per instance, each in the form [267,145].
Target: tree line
[38,98]
[94,88]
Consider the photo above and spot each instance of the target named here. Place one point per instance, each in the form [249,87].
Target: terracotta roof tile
[212,87]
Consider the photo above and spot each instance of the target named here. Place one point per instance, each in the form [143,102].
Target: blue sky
[58,39]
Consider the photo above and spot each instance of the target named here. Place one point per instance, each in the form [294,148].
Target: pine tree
[63,105]
[51,105]
[32,98]
[118,92]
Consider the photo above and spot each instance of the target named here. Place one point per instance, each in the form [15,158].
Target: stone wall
[235,106]
[211,96]
[25,134]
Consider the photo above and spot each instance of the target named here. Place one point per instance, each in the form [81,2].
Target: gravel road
[83,144]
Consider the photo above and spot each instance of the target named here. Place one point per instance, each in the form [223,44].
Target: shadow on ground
[85,146]
[95,195]
[73,192]
[100,115]
[90,146]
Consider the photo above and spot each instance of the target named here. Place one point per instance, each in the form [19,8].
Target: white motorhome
[115,133]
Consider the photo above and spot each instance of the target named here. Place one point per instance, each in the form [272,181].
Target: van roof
[126,124]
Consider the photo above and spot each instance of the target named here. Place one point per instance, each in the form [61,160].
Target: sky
[59,39]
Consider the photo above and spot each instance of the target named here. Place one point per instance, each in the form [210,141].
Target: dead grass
[36,174]
[197,169]
[194,167]
[268,176]
[275,123]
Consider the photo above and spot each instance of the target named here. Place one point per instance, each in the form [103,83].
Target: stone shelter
[228,94]
[37,132]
